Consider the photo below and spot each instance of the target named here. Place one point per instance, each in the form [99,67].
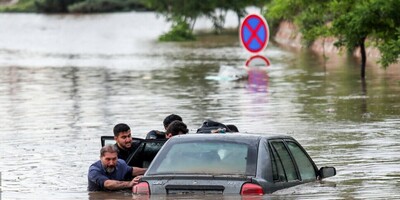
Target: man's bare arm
[138,171]
[119,185]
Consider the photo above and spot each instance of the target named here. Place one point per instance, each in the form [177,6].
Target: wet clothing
[209,125]
[154,134]
[124,154]
[98,175]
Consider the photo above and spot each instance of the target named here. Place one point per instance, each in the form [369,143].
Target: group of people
[112,172]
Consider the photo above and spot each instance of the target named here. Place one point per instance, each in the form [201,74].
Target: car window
[284,157]
[305,165]
[145,152]
[206,157]
[277,168]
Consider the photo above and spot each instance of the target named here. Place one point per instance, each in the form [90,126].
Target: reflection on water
[258,80]
[73,77]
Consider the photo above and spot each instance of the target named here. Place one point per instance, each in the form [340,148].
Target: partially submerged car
[229,164]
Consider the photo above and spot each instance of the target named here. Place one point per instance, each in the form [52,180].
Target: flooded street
[66,80]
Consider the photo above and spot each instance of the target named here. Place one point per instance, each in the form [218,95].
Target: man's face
[109,161]
[124,140]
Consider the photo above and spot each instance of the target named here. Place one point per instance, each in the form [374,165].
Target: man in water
[154,134]
[123,139]
[111,173]
[176,128]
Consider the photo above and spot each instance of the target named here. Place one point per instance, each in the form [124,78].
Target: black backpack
[210,125]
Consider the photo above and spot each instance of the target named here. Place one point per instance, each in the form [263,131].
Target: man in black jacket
[154,134]
[123,139]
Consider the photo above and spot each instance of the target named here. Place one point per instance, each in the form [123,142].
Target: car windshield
[206,157]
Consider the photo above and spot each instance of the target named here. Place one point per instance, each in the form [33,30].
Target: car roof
[229,136]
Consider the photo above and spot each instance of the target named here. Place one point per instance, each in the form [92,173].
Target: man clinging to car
[111,173]
[176,128]
[154,134]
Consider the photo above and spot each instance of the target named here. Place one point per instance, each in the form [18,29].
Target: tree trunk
[364,107]
[192,25]
[363,57]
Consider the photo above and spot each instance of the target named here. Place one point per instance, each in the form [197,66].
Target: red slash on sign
[258,61]
[254,33]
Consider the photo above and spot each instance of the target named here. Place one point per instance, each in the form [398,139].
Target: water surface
[66,80]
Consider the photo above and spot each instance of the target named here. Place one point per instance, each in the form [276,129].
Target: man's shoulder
[96,168]
[116,146]
[121,161]
[123,169]
[96,164]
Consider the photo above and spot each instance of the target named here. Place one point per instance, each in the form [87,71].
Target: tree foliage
[90,6]
[86,6]
[188,11]
[181,10]
[180,31]
[54,6]
[20,6]
[351,21]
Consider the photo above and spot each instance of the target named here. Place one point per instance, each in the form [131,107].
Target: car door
[291,165]
[144,153]
[284,170]
[306,167]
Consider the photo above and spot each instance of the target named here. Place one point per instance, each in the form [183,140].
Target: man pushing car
[111,173]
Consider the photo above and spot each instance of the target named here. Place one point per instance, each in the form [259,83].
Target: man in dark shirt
[111,173]
[155,134]
[123,139]
[176,128]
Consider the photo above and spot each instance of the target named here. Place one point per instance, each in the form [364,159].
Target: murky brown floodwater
[65,80]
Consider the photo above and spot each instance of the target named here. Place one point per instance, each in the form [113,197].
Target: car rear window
[206,157]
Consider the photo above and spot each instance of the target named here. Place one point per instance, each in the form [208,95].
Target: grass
[21,6]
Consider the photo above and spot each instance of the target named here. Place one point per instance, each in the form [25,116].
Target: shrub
[105,6]
[180,31]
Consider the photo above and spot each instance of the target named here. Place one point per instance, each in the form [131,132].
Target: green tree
[86,6]
[351,21]
[181,10]
[180,32]
[54,6]
[184,13]
[310,16]
[90,6]
[20,6]
[221,7]
[374,19]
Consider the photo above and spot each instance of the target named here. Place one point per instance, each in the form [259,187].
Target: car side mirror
[325,172]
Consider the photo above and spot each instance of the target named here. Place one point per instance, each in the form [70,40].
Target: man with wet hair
[176,128]
[154,134]
[111,173]
[123,139]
